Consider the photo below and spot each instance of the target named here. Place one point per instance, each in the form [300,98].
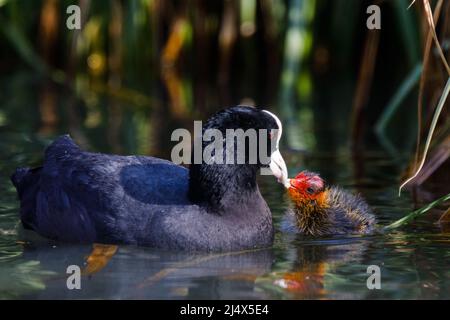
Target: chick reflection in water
[313,272]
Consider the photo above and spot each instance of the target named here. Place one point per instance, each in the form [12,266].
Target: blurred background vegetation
[138,68]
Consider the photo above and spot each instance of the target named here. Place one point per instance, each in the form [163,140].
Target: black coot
[79,196]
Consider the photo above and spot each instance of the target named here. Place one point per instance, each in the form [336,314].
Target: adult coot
[80,196]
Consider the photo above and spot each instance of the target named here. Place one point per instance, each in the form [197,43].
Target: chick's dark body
[326,210]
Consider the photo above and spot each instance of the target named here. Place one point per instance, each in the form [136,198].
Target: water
[414,260]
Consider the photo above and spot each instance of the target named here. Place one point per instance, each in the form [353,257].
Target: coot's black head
[243,117]
[212,181]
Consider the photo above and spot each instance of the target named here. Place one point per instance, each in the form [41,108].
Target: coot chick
[80,196]
[321,210]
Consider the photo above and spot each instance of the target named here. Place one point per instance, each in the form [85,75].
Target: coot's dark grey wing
[80,196]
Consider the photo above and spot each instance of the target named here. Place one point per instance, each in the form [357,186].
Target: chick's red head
[306,186]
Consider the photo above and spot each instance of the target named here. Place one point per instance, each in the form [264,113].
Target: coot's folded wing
[80,196]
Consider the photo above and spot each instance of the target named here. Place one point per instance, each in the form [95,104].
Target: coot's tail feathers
[26,181]
[18,176]
[25,176]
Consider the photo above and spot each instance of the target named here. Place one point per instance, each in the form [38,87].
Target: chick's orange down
[321,210]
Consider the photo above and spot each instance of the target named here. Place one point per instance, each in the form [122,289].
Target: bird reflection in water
[312,271]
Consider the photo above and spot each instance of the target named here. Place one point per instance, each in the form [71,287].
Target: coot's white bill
[277,164]
[279,169]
